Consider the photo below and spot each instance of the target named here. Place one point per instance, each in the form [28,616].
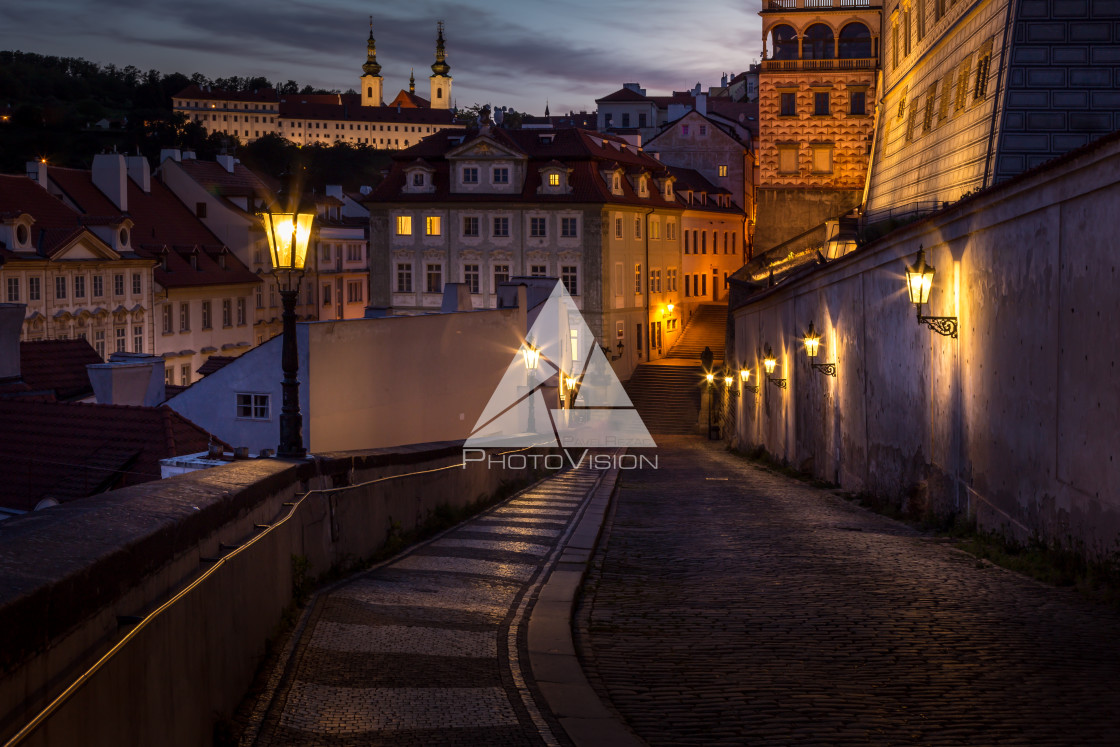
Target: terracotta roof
[348,106]
[194,92]
[215,363]
[70,450]
[162,227]
[581,151]
[58,365]
[410,100]
[241,182]
[55,222]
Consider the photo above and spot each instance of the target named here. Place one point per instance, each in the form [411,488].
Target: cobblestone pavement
[733,606]
[427,649]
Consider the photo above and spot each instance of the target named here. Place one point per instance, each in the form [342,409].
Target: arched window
[855,42]
[818,43]
[369,92]
[784,40]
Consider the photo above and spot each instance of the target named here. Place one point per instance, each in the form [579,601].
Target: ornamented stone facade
[817,89]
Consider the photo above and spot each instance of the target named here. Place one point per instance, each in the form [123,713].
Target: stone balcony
[782,66]
[820,4]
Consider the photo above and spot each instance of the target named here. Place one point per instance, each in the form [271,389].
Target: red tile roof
[410,100]
[241,182]
[56,224]
[194,92]
[163,227]
[70,450]
[58,365]
[621,95]
[215,363]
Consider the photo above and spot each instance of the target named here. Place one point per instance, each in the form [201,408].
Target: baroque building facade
[817,93]
[488,206]
[306,119]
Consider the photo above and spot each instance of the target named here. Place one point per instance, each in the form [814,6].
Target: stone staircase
[667,396]
[706,328]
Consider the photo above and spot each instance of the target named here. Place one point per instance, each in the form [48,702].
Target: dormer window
[554,180]
[643,189]
[501,175]
[546,139]
[194,261]
[616,183]
[418,179]
[23,234]
[123,236]
[668,190]
[222,260]
[470,175]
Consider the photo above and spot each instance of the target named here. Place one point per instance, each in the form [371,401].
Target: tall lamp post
[288,235]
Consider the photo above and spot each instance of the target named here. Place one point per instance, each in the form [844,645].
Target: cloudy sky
[503,52]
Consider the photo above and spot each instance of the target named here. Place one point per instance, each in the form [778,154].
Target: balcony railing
[800,4]
[867,63]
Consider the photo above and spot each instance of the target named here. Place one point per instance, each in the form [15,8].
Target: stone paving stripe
[404,639]
[490,736]
[531,512]
[515,521]
[345,710]
[437,592]
[353,612]
[514,571]
[527,548]
[505,529]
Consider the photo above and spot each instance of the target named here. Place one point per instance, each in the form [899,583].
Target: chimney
[226,162]
[188,155]
[334,190]
[172,153]
[456,297]
[11,324]
[128,379]
[702,104]
[109,176]
[140,172]
[37,171]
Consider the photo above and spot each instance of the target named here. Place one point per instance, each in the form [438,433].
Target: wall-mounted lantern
[919,281]
[744,377]
[769,363]
[728,380]
[812,346]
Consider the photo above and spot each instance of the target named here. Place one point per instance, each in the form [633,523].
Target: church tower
[371,73]
[441,80]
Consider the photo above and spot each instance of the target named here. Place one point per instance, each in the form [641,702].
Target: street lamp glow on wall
[288,234]
[812,346]
[769,363]
[919,281]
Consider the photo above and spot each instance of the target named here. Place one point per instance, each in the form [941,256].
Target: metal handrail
[85,677]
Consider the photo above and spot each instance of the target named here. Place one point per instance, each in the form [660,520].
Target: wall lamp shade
[670,307]
[769,362]
[812,347]
[919,281]
[711,377]
[288,235]
[812,341]
[744,374]
[727,381]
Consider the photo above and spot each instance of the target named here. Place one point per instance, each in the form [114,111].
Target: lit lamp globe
[711,377]
[769,362]
[744,374]
[288,235]
[812,341]
[532,357]
[919,279]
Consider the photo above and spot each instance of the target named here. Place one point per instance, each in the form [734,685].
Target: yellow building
[817,93]
[306,119]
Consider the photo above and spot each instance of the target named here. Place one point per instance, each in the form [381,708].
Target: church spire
[546,107]
[412,80]
[371,67]
[440,67]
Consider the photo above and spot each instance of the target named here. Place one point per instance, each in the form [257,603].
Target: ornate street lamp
[288,234]
[919,281]
[532,358]
[812,345]
[769,362]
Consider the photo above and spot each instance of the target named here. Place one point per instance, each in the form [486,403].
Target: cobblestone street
[428,648]
[734,606]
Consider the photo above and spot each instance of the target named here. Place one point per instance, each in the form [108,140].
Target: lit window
[638,278]
[554,180]
[431,225]
[723,170]
[404,225]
